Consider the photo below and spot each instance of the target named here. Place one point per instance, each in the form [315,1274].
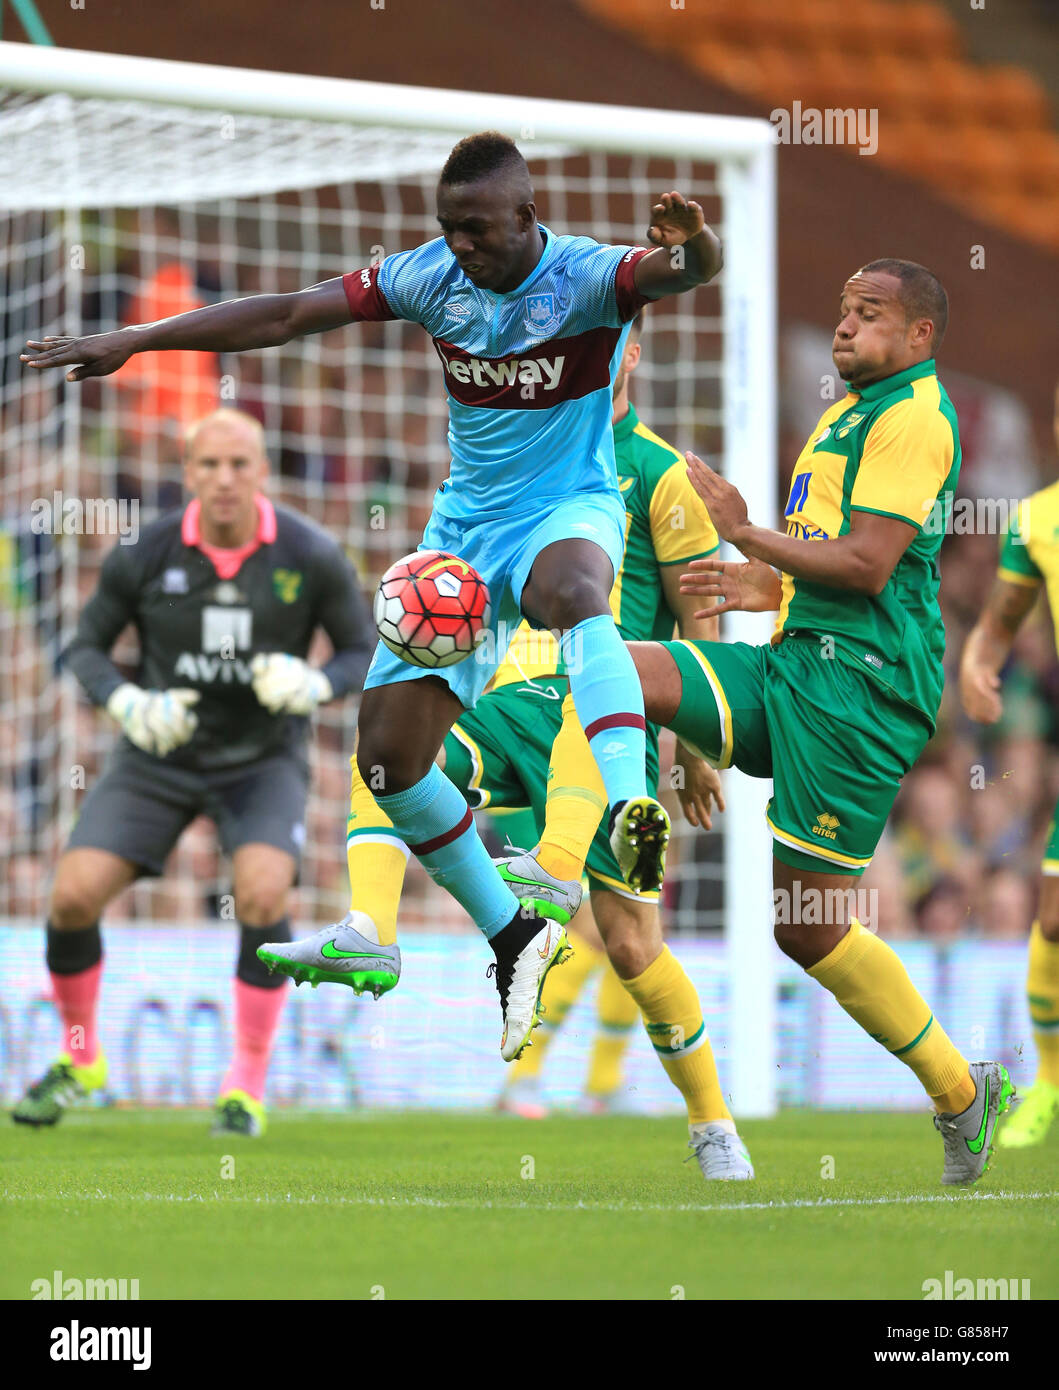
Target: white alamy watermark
[974,516]
[813,125]
[59,1287]
[533,647]
[818,907]
[59,515]
[77,1343]
[950,1287]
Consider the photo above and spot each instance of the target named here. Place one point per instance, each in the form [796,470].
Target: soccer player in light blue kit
[529,328]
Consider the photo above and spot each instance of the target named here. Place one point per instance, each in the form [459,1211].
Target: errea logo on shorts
[826,825]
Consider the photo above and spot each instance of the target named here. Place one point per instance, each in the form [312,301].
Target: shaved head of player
[486,212]
[225,466]
[893,315]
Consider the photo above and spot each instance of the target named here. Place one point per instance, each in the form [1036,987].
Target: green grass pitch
[471,1206]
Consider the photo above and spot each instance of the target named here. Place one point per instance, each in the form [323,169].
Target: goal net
[130,191]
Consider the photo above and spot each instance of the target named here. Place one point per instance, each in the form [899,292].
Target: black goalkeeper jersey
[200,631]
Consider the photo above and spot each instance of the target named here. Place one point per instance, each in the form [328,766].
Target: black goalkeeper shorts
[140,806]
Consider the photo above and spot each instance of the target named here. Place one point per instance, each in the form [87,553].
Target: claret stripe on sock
[615,721]
[440,841]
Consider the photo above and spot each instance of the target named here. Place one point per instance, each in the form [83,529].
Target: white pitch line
[823,1203]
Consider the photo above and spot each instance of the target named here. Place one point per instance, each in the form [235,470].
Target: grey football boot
[969,1136]
[338,955]
[721,1154]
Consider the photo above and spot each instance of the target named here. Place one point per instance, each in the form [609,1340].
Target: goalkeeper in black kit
[225,595]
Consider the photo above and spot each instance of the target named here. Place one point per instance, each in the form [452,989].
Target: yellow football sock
[1042,987]
[576,803]
[561,989]
[672,1015]
[376,856]
[871,984]
[617,1015]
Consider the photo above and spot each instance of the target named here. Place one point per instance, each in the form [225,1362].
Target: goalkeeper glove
[285,684]
[155,720]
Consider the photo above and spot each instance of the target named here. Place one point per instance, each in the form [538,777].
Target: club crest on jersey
[286,584]
[226,592]
[541,314]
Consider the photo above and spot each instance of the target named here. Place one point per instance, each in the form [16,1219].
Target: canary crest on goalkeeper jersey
[892,448]
[528,373]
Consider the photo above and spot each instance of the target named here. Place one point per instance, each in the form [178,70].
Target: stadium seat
[1010,96]
[923,29]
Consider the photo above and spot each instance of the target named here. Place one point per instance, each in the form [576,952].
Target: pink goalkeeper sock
[75,997]
[257,1013]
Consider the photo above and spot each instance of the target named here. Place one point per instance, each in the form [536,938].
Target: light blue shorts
[503,550]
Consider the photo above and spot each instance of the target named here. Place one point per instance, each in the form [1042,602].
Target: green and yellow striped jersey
[665,524]
[892,448]
[1029,548]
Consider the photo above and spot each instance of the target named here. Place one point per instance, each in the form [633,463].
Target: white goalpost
[132,188]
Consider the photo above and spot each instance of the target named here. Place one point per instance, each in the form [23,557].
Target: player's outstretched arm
[862,560]
[262,320]
[688,252]
[989,645]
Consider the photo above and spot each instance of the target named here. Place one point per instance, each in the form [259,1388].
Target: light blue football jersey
[529,374]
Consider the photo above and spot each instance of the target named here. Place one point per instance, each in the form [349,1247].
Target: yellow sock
[617,1015]
[376,856]
[576,803]
[1042,987]
[672,1015]
[871,984]
[561,989]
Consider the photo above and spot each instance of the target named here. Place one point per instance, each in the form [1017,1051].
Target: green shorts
[498,753]
[834,743]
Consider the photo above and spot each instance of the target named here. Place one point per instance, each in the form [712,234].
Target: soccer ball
[432,609]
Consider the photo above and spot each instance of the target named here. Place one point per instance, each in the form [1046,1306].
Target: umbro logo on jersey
[175,581]
[455,310]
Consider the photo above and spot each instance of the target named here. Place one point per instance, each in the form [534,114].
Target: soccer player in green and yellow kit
[1029,558]
[839,705]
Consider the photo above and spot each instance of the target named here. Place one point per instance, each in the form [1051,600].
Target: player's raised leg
[1039,1106]
[568,590]
[85,881]
[402,727]
[521,1093]
[576,802]
[360,951]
